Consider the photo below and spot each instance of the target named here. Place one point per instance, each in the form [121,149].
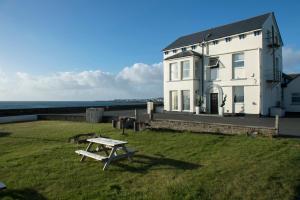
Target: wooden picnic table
[113,149]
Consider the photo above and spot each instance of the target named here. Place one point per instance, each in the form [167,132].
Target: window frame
[183,100]
[183,49]
[194,47]
[166,52]
[297,96]
[216,69]
[235,100]
[174,107]
[182,69]
[171,71]
[174,51]
[237,61]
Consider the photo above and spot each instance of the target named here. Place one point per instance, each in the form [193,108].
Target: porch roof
[184,54]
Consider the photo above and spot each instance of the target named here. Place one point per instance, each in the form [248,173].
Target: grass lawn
[37,162]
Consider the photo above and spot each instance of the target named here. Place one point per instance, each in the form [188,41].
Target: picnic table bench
[111,148]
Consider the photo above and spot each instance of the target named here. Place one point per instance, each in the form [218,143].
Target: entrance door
[214,103]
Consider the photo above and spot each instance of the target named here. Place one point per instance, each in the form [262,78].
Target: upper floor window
[213,62]
[174,51]
[174,71]
[296,98]
[185,69]
[238,94]
[215,42]
[242,36]
[183,49]
[228,39]
[238,60]
[194,47]
[166,52]
[256,33]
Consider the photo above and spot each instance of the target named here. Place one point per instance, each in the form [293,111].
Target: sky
[107,49]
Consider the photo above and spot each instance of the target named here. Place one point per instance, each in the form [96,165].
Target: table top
[106,141]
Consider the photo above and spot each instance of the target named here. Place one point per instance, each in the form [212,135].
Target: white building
[291,92]
[241,61]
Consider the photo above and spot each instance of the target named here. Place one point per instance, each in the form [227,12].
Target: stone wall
[202,127]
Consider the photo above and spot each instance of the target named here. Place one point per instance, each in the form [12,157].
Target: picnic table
[113,149]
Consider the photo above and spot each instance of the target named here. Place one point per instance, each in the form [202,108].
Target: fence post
[277,124]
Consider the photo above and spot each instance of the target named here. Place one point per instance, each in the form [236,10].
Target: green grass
[37,162]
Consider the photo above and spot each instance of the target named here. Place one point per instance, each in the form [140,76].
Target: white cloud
[138,81]
[291,59]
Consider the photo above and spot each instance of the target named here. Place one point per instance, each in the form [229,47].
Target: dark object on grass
[81,138]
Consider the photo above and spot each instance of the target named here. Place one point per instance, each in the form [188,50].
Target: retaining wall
[203,127]
[20,118]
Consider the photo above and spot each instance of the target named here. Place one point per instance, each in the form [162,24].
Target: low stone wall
[20,118]
[59,117]
[202,127]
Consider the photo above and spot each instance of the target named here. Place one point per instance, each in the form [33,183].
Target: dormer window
[174,51]
[166,52]
[194,47]
[242,36]
[228,39]
[215,42]
[256,33]
[183,49]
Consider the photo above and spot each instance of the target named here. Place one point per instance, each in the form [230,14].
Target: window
[228,39]
[296,98]
[215,42]
[186,100]
[238,60]
[238,66]
[256,33]
[194,47]
[185,69]
[174,100]
[214,73]
[166,52]
[242,36]
[174,71]
[174,51]
[213,62]
[183,49]
[238,94]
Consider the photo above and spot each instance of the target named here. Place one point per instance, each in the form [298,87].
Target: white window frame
[172,73]
[234,68]
[183,100]
[234,94]
[174,101]
[295,95]
[183,70]
[216,69]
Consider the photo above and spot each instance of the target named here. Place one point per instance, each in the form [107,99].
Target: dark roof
[250,24]
[288,78]
[293,76]
[184,54]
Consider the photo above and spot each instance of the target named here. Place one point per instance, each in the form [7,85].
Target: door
[214,103]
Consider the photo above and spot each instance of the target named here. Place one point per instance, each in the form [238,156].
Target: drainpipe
[202,77]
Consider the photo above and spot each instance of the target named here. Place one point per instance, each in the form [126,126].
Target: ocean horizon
[61,104]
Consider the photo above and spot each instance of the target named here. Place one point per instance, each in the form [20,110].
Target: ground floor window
[296,98]
[186,100]
[238,94]
[174,100]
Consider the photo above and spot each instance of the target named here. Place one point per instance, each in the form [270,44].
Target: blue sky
[44,38]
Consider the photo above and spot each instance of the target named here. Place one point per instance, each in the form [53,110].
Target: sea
[60,104]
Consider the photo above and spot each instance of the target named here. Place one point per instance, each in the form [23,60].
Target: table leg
[87,149]
[110,158]
[127,152]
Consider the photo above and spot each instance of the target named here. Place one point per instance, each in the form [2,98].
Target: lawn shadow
[22,194]
[4,134]
[144,163]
